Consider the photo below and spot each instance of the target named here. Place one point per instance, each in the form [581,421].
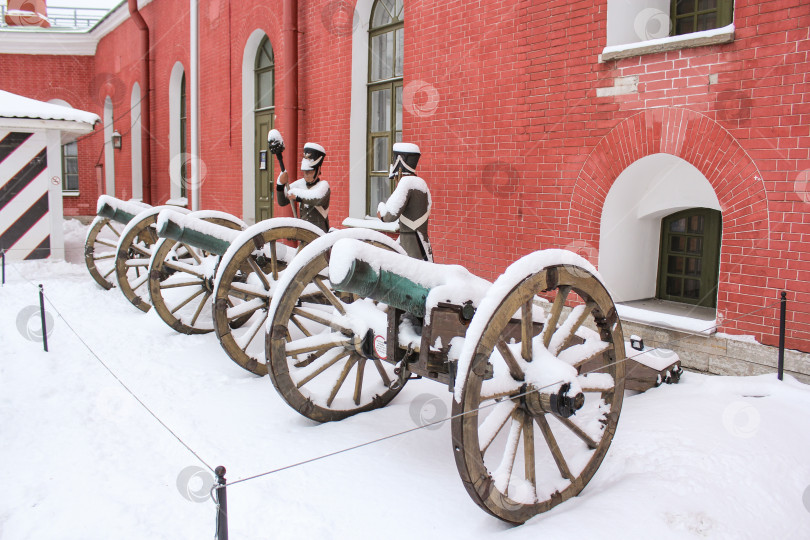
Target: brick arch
[732,174]
[692,137]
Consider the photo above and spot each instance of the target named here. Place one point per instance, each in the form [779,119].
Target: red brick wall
[518,149]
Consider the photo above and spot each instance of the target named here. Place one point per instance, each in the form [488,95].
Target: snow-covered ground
[712,457]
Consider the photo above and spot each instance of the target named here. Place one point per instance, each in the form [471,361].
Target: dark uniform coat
[410,203]
[313,200]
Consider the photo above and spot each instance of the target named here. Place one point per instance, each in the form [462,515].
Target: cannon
[228,281]
[535,361]
[102,237]
[133,249]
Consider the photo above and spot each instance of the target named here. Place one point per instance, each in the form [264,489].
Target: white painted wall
[653,187]
[175,159]
[135,137]
[109,152]
[248,131]
[357,120]
[631,21]
[54,185]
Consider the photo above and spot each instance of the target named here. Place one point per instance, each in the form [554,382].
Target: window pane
[685,6]
[400,52]
[380,191]
[264,97]
[675,265]
[72,182]
[678,226]
[265,55]
[684,26]
[71,149]
[398,123]
[693,266]
[384,10]
[703,5]
[381,110]
[380,161]
[382,56]
[691,288]
[707,21]
[673,286]
[695,245]
[696,224]
[677,243]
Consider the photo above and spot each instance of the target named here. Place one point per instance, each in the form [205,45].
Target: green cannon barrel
[121,211]
[196,232]
[384,286]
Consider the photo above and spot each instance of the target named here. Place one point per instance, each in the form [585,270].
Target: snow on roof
[14,106]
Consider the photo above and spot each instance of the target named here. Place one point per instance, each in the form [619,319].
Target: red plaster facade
[518,148]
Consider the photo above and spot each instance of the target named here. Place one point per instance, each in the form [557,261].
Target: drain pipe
[194,102]
[146,117]
[290,33]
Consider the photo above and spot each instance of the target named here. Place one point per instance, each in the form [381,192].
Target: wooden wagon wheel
[99,250]
[516,459]
[246,281]
[181,279]
[133,255]
[316,363]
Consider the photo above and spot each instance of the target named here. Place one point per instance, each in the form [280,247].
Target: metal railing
[66,17]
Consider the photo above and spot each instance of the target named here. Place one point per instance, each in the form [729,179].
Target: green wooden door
[265,177]
[690,253]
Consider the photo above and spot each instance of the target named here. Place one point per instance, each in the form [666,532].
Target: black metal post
[222,504]
[780,366]
[3,253]
[42,314]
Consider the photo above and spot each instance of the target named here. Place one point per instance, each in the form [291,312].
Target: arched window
[690,253]
[185,164]
[386,42]
[263,120]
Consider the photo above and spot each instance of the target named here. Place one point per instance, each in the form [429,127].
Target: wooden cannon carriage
[535,362]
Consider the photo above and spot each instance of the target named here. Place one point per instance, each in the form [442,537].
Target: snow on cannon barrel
[103,236]
[194,231]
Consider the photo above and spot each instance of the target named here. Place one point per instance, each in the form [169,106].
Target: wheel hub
[561,403]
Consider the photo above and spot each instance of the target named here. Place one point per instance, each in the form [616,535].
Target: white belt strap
[415,223]
[324,212]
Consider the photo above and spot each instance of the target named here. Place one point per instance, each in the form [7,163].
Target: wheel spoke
[116,233]
[199,308]
[100,257]
[504,471]
[136,263]
[251,333]
[511,362]
[105,243]
[330,295]
[197,293]
[528,452]
[143,251]
[342,354]
[183,267]
[317,343]
[274,260]
[578,432]
[307,314]
[381,370]
[245,308]
[255,266]
[139,281]
[358,383]
[110,271]
[300,326]
[310,358]
[181,284]
[245,289]
[526,330]
[343,374]
[494,423]
[556,453]
[564,334]
[192,253]
[554,316]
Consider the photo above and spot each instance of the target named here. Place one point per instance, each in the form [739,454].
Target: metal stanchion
[222,504]
[780,366]
[42,314]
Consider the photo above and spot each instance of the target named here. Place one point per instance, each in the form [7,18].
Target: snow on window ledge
[670,43]
[70,193]
[667,320]
[179,201]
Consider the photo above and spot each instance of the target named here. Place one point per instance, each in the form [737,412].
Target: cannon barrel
[195,232]
[118,210]
[384,286]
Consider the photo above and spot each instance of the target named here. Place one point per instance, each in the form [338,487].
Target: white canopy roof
[14,106]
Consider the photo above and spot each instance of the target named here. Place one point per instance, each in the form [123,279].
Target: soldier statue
[311,192]
[410,202]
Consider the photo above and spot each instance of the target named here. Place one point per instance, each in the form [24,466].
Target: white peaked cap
[315,146]
[406,148]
